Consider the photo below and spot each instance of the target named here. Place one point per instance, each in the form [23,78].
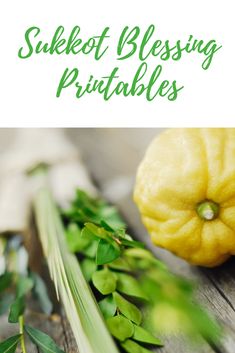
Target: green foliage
[120,327]
[14,290]
[129,285]
[120,264]
[142,335]
[87,209]
[74,240]
[132,347]
[124,266]
[5,281]
[128,309]
[88,267]
[42,341]
[107,252]
[24,285]
[108,306]
[10,345]
[105,281]
[91,250]
[16,310]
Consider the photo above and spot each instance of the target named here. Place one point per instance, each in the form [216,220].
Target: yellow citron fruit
[185,191]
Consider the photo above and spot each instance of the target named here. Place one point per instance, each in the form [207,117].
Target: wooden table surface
[112,157]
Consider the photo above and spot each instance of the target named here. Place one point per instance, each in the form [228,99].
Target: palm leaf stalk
[86,322]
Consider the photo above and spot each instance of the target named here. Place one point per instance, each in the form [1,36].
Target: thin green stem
[22,341]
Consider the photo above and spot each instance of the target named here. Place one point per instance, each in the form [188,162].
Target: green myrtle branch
[129,281]
[15,288]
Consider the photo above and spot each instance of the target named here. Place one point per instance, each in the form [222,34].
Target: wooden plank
[112,156]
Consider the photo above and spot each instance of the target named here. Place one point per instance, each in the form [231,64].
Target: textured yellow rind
[181,168]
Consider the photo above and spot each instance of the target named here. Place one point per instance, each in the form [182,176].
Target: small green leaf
[121,233]
[140,254]
[111,216]
[105,281]
[132,243]
[133,347]
[128,309]
[42,341]
[106,226]
[76,242]
[88,267]
[24,285]
[40,291]
[5,302]
[87,234]
[5,281]
[10,345]
[108,307]
[16,310]
[120,327]
[106,252]
[143,264]
[95,231]
[120,264]
[147,255]
[142,335]
[129,285]
[91,250]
